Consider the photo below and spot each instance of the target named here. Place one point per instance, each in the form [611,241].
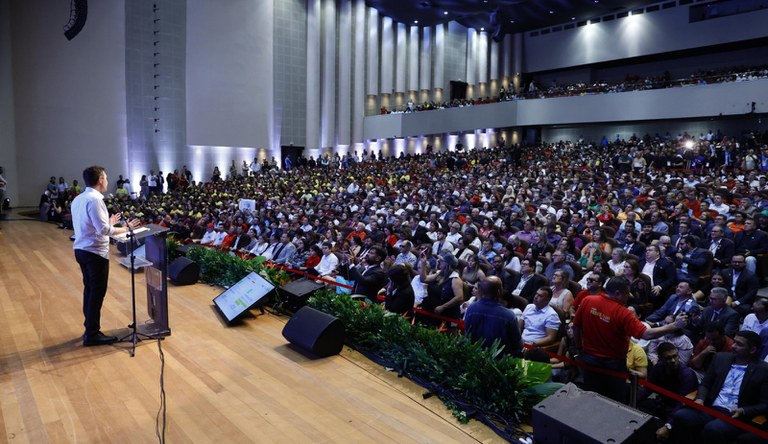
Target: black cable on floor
[161,434]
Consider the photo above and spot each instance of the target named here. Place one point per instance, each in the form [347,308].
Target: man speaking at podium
[93,227]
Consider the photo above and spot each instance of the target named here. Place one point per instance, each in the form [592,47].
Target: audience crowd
[683,219]
[536,90]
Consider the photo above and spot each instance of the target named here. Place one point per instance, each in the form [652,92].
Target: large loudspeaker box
[574,416]
[316,332]
[183,271]
[296,293]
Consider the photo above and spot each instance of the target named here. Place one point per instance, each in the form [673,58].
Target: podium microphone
[116,206]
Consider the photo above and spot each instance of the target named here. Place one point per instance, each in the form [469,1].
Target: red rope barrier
[661,390]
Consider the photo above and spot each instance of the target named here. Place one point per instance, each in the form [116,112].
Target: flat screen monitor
[243,295]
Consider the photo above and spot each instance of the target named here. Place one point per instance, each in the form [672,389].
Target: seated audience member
[670,374]
[690,260]
[647,235]
[757,321]
[562,297]
[716,280]
[220,235]
[406,256]
[284,250]
[750,242]
[743,285]
[661,271]
[637,360]
[488,320]
[472,273]
[564,371]
[558,263]
[445,289]
[717,311]
[639,284]
[328,262]
[540,322]
[616,264]
[230,237]
[680,302]
[399,292]
[600,267]
[368,278]
[209,236]
[714,341]
[682,342]
[742,396]
[526,283]
[631,246]
[507,281]
[721,248]
[594,287]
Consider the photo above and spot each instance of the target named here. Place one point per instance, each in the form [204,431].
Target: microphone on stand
[117,208]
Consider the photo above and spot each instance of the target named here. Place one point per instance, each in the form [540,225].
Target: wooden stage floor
[229,385]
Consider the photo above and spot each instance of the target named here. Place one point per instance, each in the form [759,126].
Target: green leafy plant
[226,269]
[463,373]
[173,247]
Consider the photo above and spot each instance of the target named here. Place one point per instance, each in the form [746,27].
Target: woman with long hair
[472,273]
[445,289]
[400,295]
[638,289]
[561,295]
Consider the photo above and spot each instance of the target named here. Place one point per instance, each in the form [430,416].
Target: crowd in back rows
[536,90]
[584,200]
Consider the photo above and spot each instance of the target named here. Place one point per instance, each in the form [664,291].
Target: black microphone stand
[133,336]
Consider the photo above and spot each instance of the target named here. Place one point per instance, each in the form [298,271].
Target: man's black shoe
[98,339]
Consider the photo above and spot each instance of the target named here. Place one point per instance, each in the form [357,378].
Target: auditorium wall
[637,35]
[7,124]
[69,96]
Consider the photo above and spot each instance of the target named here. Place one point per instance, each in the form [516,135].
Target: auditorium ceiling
[500,17]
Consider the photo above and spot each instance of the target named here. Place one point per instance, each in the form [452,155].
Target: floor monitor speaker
[574,416]
[316,332]
[296,293]
[183,271]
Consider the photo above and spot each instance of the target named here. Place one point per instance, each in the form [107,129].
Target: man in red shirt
[602,328]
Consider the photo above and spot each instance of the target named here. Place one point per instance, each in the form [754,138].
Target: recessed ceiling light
[445,12]
[415,21]
[482,29]
[551,12]
[511,21]
[573,18]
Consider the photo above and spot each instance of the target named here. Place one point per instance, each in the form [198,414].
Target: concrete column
[328,128]
[372,86]
[313,79]
[344,96]
[358,64]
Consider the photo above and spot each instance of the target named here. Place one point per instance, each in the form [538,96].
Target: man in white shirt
[220,235]
[540,322]
[329,262]
[719,206]
[93,226]
[209,236]
[454,234]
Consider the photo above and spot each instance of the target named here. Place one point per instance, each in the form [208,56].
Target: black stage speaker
[183,271]
[574,416]
[315,331]
[296,293]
